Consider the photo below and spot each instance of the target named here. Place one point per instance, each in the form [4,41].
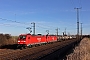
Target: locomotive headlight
[18,41]
[24,41]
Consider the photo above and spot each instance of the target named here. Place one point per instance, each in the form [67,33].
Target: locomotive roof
[37,35]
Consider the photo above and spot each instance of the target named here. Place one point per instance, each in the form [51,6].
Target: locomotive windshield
[22,37]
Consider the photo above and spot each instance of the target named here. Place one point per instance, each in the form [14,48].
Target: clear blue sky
[47,14]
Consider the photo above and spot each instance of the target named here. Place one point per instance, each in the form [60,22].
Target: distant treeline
[88,36]
[6,39]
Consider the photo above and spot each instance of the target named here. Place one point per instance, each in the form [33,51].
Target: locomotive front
[22,41]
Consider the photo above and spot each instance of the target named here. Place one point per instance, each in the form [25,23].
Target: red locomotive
[29,40]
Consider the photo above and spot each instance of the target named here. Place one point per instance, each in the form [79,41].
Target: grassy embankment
[6,39]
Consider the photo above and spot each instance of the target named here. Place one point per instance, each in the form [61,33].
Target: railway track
[33,53]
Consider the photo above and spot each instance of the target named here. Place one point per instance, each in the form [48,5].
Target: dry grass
[6,39]
[81,52]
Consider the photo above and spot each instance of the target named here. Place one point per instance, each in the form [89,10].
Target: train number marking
[39,39]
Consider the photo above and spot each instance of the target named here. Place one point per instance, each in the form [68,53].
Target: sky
[17,15]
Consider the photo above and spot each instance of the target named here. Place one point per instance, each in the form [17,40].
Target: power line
[41,27]
[80,3]
[72,2]
[47,25]
[14,21]
[2,24]
[23,23]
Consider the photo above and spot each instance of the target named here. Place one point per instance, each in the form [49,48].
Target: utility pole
[33,28]
[65,31]
[77,22]
[57,31]
[81,30]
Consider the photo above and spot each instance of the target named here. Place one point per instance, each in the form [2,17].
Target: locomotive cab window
[22,37]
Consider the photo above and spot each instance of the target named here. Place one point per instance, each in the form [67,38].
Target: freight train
[28,40]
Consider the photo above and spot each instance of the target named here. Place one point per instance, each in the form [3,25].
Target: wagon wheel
[21,48]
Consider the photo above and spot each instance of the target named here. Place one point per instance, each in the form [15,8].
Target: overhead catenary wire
[23,23]
[41,26]
[19,23]
[72,2]
[78,3]
[3,24]
[14,21]
[44,28]
[51,28]
[46,25]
